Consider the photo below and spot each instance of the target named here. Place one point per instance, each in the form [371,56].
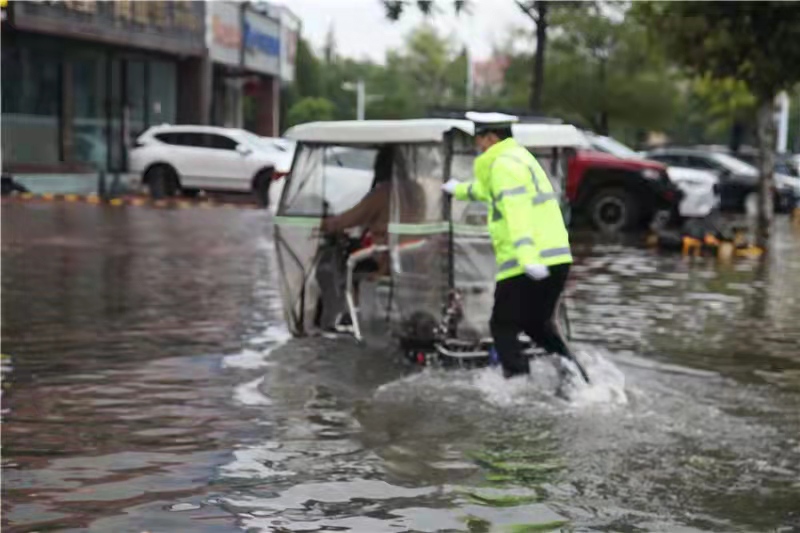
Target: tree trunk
[766,156]
[603,124]
[537,82]
[737,135]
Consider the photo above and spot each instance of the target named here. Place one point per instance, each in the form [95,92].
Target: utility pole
[783,122]
[360,99]
[361,96]
[470,73]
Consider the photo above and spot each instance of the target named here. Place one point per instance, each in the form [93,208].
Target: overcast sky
[362,31]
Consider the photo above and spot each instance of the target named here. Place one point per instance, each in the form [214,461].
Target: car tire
[613,210]
[261,185]
[162,182]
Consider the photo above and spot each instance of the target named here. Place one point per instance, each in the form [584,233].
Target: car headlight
[651,174]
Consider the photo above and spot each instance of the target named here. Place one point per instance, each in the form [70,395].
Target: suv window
[220,142]
[701,163]
[181,138]
[669,159]
[169,138]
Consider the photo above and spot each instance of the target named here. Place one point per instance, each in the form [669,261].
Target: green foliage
[395,8]
[599,73]
[311,109]
[755,42]
[725,101]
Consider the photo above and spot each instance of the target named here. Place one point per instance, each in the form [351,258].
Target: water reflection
[152,386]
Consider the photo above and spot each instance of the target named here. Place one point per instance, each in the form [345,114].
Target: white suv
[186,159]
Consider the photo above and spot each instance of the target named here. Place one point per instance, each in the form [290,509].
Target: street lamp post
[361,96]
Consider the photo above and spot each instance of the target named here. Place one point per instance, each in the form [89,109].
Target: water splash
[487,385]
[250,394]
[607,382]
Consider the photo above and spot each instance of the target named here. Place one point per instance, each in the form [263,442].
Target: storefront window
[162,93]
[89,94]
[137,114]
[31,93]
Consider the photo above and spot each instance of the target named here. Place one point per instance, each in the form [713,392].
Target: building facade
[82,79]
[251,49]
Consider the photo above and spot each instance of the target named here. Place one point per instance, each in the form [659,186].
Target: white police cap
[490,121]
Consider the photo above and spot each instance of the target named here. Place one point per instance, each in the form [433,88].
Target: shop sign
[262,38]
[169,26]
[225,33]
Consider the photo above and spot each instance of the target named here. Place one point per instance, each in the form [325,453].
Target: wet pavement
[150,385]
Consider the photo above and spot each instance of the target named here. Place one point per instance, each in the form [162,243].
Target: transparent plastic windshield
[324,181]
[418,235]
[474,260]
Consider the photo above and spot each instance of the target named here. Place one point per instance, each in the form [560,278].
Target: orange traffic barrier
[692,246]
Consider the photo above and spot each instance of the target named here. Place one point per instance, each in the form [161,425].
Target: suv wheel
[261,185]
[613,210]
[162,182]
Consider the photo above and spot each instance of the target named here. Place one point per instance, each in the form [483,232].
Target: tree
[757,43]
[307,81]
[394,8]
[539,11]
[728,104]
[600,75]
[311,109]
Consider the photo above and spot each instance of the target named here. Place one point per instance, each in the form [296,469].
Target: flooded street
[150,385]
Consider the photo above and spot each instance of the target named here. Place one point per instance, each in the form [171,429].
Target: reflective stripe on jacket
[525,220]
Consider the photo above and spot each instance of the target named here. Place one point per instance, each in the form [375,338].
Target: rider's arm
[362,214]
[510,183]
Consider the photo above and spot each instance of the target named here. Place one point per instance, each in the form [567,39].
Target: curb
[125,201]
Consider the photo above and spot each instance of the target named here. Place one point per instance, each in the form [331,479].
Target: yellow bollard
[26,196]
[48,197]
[116,202]
[93,199]
[725,251]
[71,198]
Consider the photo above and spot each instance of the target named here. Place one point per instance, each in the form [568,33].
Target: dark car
[738,179]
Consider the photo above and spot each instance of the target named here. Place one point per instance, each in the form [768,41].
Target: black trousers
[522,304]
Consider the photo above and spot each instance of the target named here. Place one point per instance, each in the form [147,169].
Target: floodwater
[150,385]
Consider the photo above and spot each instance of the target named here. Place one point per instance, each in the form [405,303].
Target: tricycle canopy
[372,132]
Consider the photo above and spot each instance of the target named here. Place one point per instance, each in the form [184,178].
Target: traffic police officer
[529,238]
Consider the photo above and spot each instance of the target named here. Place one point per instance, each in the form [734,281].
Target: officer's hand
[450,186]
[537,272]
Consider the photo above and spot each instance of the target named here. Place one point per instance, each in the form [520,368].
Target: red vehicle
[616,194]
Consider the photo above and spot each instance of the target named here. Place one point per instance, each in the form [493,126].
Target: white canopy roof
[428,130]
[549,136]
[377,131]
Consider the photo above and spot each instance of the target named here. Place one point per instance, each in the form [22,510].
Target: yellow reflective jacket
[525,220]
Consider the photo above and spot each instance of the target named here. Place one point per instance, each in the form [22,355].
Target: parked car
[700,188]
[738,179]
[784,163]
[173,160]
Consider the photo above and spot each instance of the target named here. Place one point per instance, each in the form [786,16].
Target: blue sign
[264,43]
